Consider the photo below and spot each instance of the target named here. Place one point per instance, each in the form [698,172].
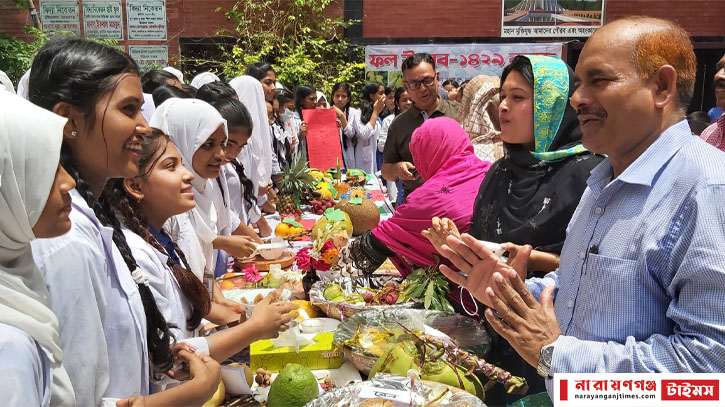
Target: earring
[73,133]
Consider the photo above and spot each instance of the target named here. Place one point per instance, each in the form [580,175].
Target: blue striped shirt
[641,282]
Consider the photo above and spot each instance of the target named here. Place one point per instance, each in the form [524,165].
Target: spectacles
[415,85]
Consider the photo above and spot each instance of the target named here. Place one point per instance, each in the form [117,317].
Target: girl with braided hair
[162,189]
[112,334]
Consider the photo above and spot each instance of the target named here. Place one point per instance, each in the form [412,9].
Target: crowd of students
[123,195]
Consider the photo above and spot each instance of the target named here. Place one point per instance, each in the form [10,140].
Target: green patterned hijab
[551,99]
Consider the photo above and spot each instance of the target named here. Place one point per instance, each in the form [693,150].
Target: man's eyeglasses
[415,85]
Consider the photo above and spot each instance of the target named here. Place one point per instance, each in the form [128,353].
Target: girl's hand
[271,317]
[204,371]
[264,229]
[303,130]
[240,246]
[338,112]
[439,231]
[138,401]
[513,250]
[234,306]
[379,105]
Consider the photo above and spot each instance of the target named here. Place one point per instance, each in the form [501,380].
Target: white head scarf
[250,93]
[23,84]
[204,78]
[189,123]
[177,73]
[6,82]
[321,95]
[27,171]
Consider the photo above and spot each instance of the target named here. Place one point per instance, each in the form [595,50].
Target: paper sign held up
[323,138]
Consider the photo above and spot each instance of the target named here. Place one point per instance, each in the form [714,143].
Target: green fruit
[320,225]
[339,298]
[441,372]
[397,361]
[333,291]
[295,386]
[354,298]
[273,282]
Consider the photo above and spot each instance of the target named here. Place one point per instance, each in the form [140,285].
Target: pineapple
[297,185]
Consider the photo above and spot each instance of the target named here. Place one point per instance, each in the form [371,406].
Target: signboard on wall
[146,19]
[60,15]
[103,19]
[551,18]
[459,61]
[149,54]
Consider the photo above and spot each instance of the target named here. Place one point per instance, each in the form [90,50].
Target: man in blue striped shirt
[641,281]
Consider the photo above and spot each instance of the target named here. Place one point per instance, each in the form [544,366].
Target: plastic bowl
[311,326]
[271,251]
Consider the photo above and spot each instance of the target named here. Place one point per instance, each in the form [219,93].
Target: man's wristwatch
[544,367]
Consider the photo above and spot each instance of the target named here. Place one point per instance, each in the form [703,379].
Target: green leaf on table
[417,291]
[356,201]
[332,190]
[334,215]
[291,221]
[429,295]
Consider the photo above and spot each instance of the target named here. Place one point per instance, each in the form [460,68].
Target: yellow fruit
[311,310]
[282,230]
[227,285]
[320,225]
[317,174]
[218,398]
[293,230]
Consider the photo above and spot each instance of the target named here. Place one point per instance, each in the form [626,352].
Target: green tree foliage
[304,45]
[16,56]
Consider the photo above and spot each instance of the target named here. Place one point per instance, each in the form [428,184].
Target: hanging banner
[453,61]
[551,18]
[60,15]
[149,54]
[103,19]
[146,20]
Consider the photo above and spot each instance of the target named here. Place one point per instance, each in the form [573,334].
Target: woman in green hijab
[529,195]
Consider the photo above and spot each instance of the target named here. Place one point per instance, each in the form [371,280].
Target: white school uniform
[31,370]
[259,147]
[99,308]
[25,369]
[189,123]
[348,154]
[367,144]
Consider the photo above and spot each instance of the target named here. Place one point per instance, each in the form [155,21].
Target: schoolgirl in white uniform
[34,203]
[112,333]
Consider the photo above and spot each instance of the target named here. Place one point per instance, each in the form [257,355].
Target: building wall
[405,20]
[185,18]
[482,18]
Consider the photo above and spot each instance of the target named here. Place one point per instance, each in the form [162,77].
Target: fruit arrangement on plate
[290,228]
[355,177]
[439,346]
[343,297]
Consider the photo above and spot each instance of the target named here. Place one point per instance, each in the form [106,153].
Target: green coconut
[441,372]
[397,361]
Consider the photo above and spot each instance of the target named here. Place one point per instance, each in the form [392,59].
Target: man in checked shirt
[641,282]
